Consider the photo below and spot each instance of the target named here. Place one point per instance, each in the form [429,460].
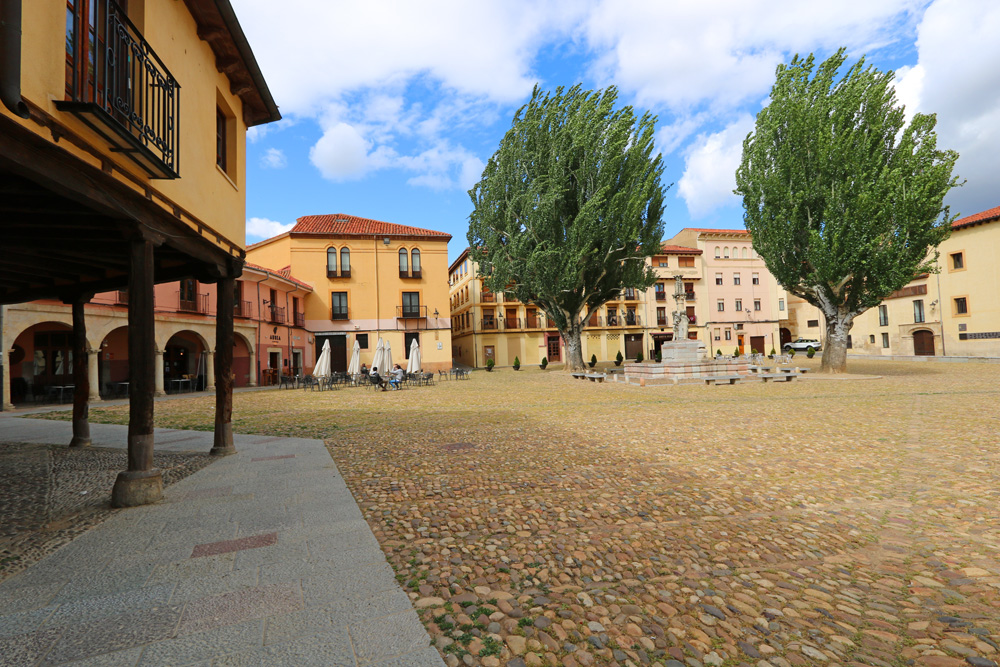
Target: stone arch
[185,364]
[40,357]
[243,370]
[112,363]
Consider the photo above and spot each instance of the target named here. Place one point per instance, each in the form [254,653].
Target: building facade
[954,312]
[103,190]
[741,305]
[371,280]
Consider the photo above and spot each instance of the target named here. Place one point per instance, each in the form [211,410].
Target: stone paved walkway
[263,558]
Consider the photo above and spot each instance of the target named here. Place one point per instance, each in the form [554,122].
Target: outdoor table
[179,383]
[122,388]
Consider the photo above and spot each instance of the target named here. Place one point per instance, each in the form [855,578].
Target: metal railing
[199,304]
[337,313]
[275,314]
[120,82]
[488,325]
[300,319]
[511,323]
[243,309]
[689,296]
[411,312]
[661,296]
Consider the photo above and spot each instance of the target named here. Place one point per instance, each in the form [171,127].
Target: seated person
[364,369]
[376,379]
[396,376]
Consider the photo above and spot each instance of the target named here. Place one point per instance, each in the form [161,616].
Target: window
[345,263]
[812,324]
[411,304]
[689,291]
[871,339]
[404,264]
[331,262]
[957,261]
[661,292]
[729,334]
[961,306]
[189,289]
[781,305]
[628,294]
[612,316]
[408,339]
[415,263]
[756,304]
[718,278]
[755,278]
[725,252]
[716,334]
[663,264]
[918,311]
[718,252]
[338,308]
[362,340]
[739,305]
[883,316]
[743,253]
[736,279]
[885,340]
[221,140]
[721,306]
[685,262]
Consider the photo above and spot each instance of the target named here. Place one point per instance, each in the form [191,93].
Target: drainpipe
[288,330]
[10,58]
[940,301]
[259,322]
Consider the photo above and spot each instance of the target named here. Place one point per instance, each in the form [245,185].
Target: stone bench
[778,377]
[719,379]
[596,377]
[580,376]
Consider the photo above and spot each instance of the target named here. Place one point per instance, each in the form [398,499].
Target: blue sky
[392,108]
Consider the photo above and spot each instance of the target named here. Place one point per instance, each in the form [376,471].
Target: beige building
[955,312]
[371,280]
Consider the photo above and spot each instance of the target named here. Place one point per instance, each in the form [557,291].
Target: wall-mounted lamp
[386,240]
[435,312]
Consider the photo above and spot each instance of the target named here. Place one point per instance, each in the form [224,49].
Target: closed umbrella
[322,368]
[386,365]
[354,367]
[414,364]
[377,358]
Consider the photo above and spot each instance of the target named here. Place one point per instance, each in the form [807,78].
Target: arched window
[331,262]
[415,262]
[718,252]
[404,271]
[725,252]
[744,252]
[345,263]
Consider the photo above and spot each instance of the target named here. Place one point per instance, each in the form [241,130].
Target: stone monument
[680,310]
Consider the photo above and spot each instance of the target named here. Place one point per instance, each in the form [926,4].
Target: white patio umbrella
[377,358]
[413,366]
[354,367]
[322,368]
[386,366]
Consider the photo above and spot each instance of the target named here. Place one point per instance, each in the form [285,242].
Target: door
[338,354]
[923,343]
[757,344]
[489,353]
[786,336]
[739,343]
[633,345]
[510,319]
[553,348]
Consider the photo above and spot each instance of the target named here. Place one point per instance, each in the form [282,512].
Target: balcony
[488,324]
[661,296]
[243,309]
[511,323]
[415,273]
[661,320]
[275,314]
[534,322]
[341,274]
[411,312]
[300,320]
[689,296]
[125,93]
[337,313]
[488,297]
[692,319]
[197,304]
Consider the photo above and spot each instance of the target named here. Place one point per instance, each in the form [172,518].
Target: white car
[803,345]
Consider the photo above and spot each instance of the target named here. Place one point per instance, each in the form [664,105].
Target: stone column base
[159,393]
[137,487]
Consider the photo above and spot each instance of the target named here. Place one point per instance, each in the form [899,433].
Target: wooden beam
[224,341]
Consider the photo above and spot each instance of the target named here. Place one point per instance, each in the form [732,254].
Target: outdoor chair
[286,382]
[376,381]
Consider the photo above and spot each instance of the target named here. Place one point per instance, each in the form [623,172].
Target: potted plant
[544,363]
[810,353]
[791,352]
[619,359]
[718,352]
[736,353]
[517,364]
[771,356]
[638,357]
[659,356]
[593,360]
[490,364]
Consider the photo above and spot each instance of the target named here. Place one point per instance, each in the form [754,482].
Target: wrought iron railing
[300,319]
[197,304]
[689,296]
[122,89]
[661,296]
[276,314]
[511,323]
[411,312]
[243,309]
[338,313]
[488,325]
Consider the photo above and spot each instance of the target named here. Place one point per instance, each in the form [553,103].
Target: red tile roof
[679,250]
[285,273]
[986,216]
[341,224]
[716,231]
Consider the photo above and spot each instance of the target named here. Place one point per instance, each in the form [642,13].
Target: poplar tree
[569,207]
[843,199]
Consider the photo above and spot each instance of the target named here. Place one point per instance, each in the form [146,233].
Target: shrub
[593,360]
[490,364]
[773,352]
[736,352]
[619,359]
[544,362]
[810,353]
[659,356]
[791,351]
[638,357]
[718,352]
[517,363]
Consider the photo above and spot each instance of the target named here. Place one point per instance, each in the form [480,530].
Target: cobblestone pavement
[262,558]
[51,494]
[539,520]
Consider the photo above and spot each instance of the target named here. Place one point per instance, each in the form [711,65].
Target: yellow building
[122,162]
[486,325]
[954,312]
[371,280]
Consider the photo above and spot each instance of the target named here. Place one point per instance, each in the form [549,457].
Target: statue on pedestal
[680,310]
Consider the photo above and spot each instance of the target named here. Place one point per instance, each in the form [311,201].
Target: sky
[391,109]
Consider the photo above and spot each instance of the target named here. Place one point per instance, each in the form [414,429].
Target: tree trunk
[574,348]
[838,326]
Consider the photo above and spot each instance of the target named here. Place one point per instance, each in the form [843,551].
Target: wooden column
[224,340]
[141,483]
[81,379]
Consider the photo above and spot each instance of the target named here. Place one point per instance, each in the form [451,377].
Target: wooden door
[633,345]
[338,354]
[923,343]
[757,344]
[553,348]
[739,342]
[510,318]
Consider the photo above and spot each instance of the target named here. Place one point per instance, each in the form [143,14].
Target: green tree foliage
[843,199]
[569,207]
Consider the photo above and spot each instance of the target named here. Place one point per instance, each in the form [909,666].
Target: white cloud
[262,228]
[341,153]
[273,158]
[710,168]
